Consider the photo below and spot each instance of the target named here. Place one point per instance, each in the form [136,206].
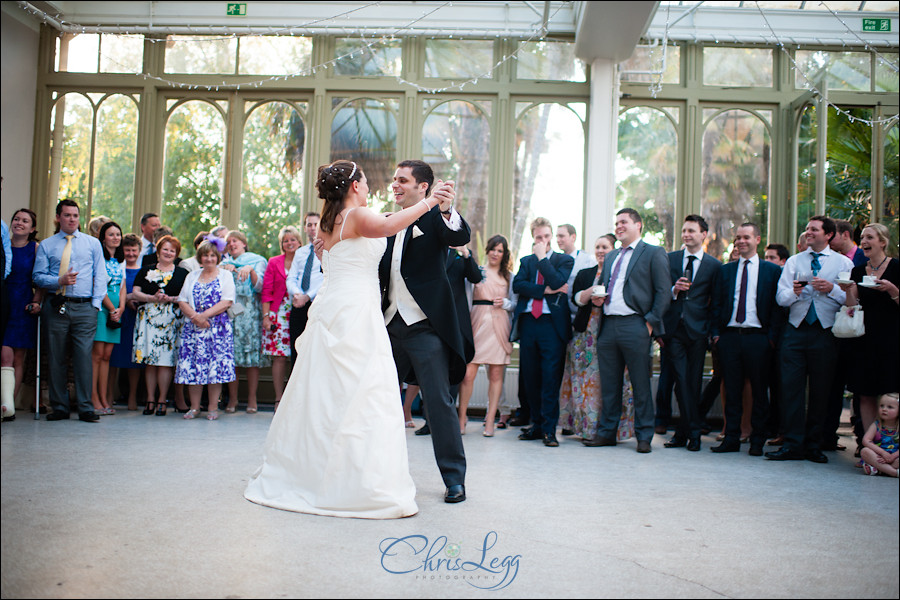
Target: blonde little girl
[880,443]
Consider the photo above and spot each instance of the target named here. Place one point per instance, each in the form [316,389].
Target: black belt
[747,330]
[74,300]
[482,302]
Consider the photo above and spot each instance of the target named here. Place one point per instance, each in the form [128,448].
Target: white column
[602,144]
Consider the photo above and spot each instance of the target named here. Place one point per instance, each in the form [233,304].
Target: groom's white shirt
[399,298]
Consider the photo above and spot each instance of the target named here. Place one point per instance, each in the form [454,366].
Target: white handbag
[848,322]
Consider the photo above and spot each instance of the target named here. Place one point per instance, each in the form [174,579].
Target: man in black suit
[639,291]
[543,326]
[687,321]
[746,325]
[420,314]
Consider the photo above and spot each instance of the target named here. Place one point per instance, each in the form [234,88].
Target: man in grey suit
[639,291]
[687,324]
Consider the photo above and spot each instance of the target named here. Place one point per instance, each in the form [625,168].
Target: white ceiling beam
[610,30]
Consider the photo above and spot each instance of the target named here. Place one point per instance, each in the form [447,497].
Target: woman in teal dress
[109,319]
[248,270]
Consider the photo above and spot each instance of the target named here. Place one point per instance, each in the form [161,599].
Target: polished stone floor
[141,506]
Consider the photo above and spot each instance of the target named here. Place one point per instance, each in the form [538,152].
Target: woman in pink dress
[491,306]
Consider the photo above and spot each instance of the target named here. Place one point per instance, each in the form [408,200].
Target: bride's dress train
[337,445]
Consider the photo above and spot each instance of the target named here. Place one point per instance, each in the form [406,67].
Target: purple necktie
[615,273]
[742,300]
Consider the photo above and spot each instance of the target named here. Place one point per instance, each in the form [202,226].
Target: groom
[420,315]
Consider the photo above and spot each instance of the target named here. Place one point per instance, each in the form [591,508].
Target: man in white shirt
[304,280]
[149,224]
[566,237]
[809,350]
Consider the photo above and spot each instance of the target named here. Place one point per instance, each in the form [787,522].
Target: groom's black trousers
[418,349]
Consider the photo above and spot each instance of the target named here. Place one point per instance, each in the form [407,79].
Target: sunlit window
[845,70]
[738,67]
[649,64]
[274,55]
[364,58]
[458,59]
[549,61]
[200,54]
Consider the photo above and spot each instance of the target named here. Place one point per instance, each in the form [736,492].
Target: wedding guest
[808,349]
[206,353]
[96,223]
[881,443]
[304,280]
[192,263]
[276,308]
[579,397]
[874,356]
[843,242]
[566,238]
[148,260]
[109,319]
[122,352]
[23,300]
[462,271]
[149,225]
[158,323]
[491,305]
[777,253]
[248,270]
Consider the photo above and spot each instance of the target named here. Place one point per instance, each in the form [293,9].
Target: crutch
[37,381]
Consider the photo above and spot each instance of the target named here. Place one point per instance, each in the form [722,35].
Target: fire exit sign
[236,9]
[876,24]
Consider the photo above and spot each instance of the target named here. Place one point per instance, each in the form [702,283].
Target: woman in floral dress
[109,319]
[579,396]
[206,353]
[276,308]
[248,270]
[158,321]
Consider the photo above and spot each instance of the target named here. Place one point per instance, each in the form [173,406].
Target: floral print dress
[206,355]
[158,324]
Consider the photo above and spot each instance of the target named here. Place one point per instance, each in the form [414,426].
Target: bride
[337,444]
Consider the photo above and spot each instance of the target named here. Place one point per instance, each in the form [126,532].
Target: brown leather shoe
[661,430]
[597,441]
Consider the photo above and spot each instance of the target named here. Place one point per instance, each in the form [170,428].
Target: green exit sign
[236,9]
[876,24]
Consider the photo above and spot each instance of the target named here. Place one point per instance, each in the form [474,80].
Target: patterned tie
[537,306]
[64,261]
[307,270]
[615,274]
[816,266]
[742,299]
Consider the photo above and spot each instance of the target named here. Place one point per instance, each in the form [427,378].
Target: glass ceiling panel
[835,5]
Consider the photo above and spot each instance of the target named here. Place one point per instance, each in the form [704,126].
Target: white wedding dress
[337,445]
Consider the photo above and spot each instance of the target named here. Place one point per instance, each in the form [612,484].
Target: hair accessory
[353,172]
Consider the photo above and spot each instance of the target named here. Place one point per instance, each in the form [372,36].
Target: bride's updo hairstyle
[333,183]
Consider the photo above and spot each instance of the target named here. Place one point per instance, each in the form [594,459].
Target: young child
[880,443]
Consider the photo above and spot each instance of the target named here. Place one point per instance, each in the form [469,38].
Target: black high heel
[150,411]
[161,409]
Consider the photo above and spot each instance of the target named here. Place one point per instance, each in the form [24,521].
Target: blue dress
[104,334]
[121,354]
[206,355]
[21,329]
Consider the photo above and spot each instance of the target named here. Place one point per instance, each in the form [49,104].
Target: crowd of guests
[585,324]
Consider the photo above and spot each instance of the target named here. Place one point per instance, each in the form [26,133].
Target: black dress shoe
[567,432]
[550,440]
[693,445]
[643,447]
[530,434]
[727,446]
[676,442]
[597,441]
[661,430]
[424,430]
[89,417]
[58,415]
[756,449]
[785,454]
[455,493]
[815,455]
[518,422]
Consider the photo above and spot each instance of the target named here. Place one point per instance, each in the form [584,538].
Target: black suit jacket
[692,307]
[459,270]
[423,267]
[556,268]
[583,281]
[648,287]
[771,315]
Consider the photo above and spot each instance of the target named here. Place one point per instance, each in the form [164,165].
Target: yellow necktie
[64,261]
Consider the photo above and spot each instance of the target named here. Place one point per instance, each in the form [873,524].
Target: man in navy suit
[639,291]
[420,314]
[543,326]
[746,325]
[687,321]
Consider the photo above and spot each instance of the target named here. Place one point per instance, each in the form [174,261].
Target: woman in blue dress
[206,349]
[24,304]
[121,354]
[109,319]
[249,270]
